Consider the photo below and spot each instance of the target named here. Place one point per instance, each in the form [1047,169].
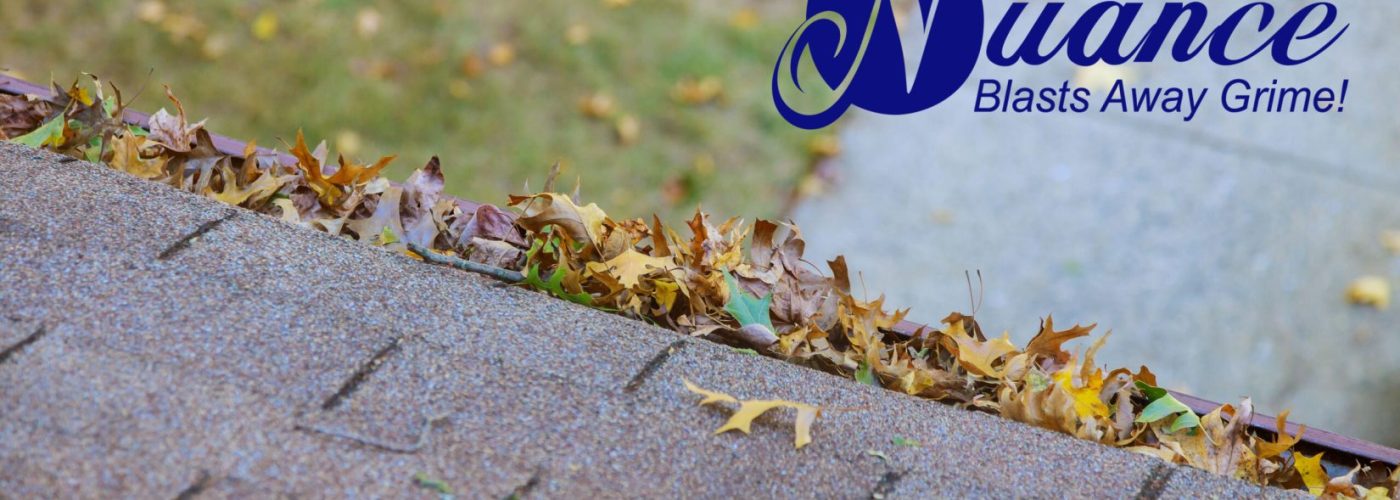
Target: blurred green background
[656,105]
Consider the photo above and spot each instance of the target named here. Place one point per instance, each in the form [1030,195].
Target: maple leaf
[743,418]
[976,356]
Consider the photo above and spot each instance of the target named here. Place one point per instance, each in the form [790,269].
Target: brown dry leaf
[1048,342]
[173,131]
[354,174]
[328,193]
[237,193]
[749,410]
[127,157]
[489,223]
[582,224]
[20,115]
[420,204]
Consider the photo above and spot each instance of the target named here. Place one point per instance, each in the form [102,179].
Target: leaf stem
[505,275]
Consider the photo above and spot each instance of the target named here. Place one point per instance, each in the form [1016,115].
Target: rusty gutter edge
[1313,438]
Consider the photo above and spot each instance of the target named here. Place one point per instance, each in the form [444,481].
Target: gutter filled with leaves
[762,296]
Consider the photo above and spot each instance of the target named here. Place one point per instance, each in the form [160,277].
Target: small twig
[506,275]
[396,448]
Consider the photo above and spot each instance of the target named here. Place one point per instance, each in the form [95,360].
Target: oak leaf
[1283,442]
[743,418]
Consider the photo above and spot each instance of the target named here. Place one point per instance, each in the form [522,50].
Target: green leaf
[745,307]
[555,285]
[903,441]
[865,376]
[1037,381]
[1187,420]
[1152,393]
[1166,406]
[387,236]
[50,133]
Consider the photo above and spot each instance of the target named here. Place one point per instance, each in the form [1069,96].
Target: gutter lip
[1315,439]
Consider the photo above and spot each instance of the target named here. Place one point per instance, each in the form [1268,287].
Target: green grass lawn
[493,87]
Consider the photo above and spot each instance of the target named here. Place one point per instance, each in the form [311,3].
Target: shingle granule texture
[263,359]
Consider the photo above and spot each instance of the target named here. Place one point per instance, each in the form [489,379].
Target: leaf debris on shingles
[764,297]
[749,410]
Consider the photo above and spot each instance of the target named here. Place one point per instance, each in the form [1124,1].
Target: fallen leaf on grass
[750,410]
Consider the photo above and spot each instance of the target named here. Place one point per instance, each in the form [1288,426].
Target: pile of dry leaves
[707,281]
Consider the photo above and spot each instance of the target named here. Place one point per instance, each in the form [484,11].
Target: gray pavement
[1217,250]
[268,360]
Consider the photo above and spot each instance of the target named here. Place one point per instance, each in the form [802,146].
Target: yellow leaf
[744,19]
[666,292]
[743,418]
[501,54]
[265,25]
[1314,476]
[1376,493]
[710,396]
[1371,291]
[1086,398]
[126,156]
[629,267]
[977,356]
[1281,443]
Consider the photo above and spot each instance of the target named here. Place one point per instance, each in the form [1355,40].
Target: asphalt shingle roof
[266,359]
